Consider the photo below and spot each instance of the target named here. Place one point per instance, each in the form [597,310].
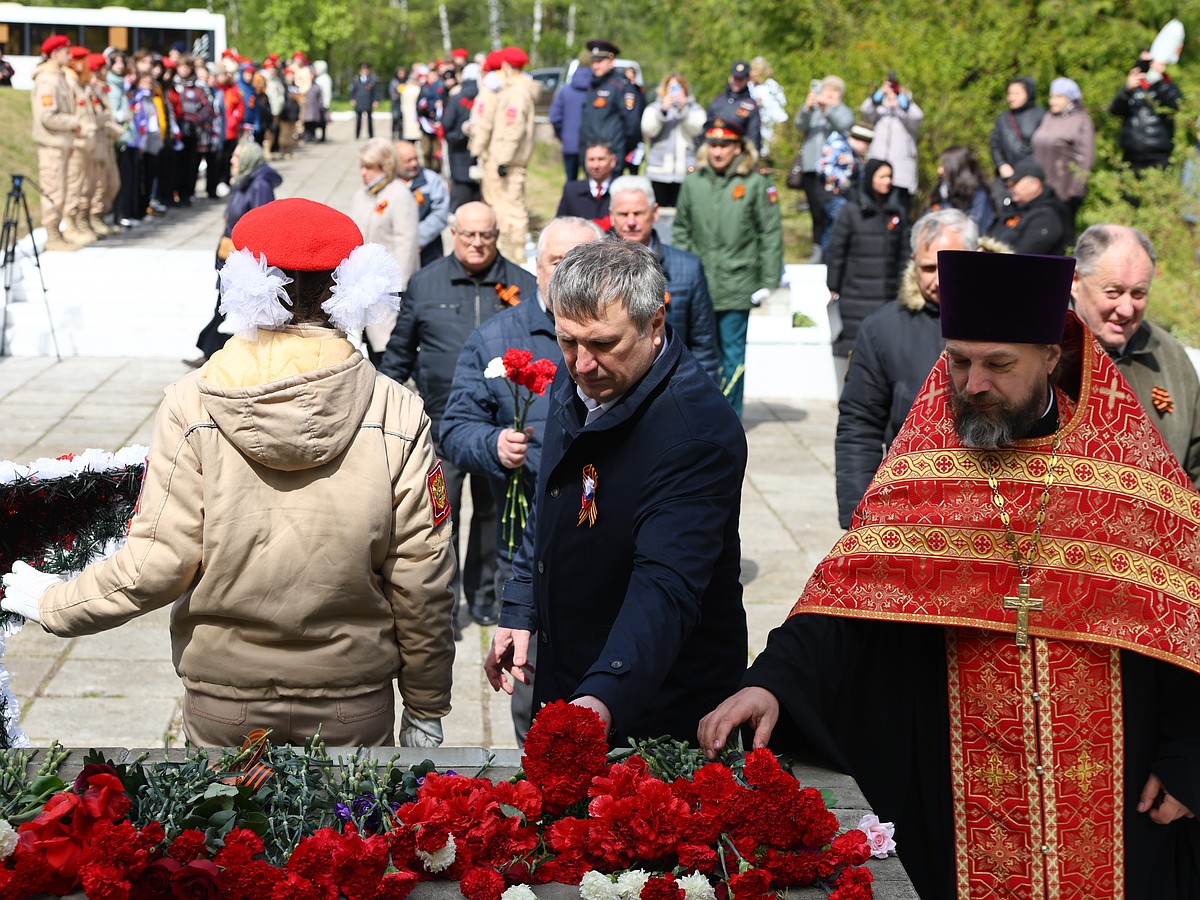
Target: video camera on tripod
[16,210]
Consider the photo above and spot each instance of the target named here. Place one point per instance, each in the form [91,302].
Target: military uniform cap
[603,49]
[723,130]
[740,69]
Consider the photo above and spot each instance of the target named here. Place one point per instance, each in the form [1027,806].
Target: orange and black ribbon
[254,772]
[1162,401]
[509,296]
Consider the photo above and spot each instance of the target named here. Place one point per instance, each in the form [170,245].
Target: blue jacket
[643,607]
[480,408]
[690,310]
[566,111]
[442,306]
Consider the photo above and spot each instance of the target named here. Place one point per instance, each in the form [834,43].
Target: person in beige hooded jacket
[293,513]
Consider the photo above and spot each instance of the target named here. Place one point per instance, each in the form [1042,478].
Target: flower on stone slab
[879,835]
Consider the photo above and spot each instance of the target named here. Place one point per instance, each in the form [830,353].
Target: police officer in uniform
[612,110]
[54,130]
[735,104]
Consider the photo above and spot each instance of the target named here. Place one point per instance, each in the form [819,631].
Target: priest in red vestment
[1004,648]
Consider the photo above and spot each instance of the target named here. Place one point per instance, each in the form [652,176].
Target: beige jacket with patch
[503,133]
[53,107]
[288,515]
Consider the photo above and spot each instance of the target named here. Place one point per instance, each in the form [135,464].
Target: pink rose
[879,835]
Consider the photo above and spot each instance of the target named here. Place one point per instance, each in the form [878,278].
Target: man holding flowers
[480,432]
[629,570]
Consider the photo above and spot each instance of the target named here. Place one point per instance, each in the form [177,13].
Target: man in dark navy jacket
[689,306]
[629,571]
[589,198]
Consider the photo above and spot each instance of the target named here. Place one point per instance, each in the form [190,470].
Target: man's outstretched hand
[755,705]
[509,655]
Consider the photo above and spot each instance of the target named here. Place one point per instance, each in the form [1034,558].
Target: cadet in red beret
[502,140]
[54,130]
[294,515]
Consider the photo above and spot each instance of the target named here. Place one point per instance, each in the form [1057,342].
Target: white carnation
[519,892]
[440,860]
[8,839]
[598,886]
[495,369]
[696,887]
[630,884]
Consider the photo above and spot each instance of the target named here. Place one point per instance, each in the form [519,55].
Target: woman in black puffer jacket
[866,252]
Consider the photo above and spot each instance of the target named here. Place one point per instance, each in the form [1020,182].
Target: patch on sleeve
[630,101]
[772,194]
[435,481]
[47,100]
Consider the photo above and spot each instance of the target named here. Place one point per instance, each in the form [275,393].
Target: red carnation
[188,846]
[515,362]
[853,884]
[851,848]
[396,885]
[482,884]
[662,887]
[104,882]
[565,748]
[296,887]
[753,884]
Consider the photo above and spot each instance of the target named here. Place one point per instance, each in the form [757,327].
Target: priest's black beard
[999,427]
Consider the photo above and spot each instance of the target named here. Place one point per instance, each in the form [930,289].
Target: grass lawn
[17,153]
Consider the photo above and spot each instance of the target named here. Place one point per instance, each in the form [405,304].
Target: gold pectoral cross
[1024,605]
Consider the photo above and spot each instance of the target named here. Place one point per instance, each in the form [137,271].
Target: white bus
[23,28]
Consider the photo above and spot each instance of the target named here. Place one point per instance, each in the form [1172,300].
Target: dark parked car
[549,79]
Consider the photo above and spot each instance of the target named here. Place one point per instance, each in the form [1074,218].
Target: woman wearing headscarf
[1065,144]
[866,248]
[254,183]
[293,515]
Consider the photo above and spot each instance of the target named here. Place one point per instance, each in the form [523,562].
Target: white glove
[23,590]
[425,733]
[760,295]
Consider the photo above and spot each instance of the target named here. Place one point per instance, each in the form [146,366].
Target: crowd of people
[123,136]
[1017,450]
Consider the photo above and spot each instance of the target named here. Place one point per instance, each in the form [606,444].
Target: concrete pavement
[119,688]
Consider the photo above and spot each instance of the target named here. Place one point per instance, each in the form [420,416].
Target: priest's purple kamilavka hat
[1006,298]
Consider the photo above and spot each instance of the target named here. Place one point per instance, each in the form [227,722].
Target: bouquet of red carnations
[527,378]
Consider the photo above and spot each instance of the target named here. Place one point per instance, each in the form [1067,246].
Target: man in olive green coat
[728,215]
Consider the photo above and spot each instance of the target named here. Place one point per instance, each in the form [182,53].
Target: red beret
[298,234]
[515,57]
[459,53]
[169,63]
[78,52]
[54,42]
[492,61]
[96,61]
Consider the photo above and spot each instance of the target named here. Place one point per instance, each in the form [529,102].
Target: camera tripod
[15,204]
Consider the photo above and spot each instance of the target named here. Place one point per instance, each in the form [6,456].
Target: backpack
[197,109]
